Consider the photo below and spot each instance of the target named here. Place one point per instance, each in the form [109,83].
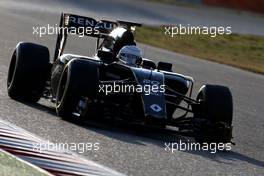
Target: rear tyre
[28,72]
[79,79]
[216,114]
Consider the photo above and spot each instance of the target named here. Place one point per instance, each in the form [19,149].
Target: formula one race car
[117,83]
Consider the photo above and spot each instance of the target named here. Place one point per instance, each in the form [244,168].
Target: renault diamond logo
[156,108]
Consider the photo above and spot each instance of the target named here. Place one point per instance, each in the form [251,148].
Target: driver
[130,55]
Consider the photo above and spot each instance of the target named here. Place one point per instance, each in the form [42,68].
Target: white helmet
[130,55]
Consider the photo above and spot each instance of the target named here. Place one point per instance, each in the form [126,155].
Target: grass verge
[242,51]
[9,165]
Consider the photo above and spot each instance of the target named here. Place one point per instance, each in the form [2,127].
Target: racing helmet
[130,55]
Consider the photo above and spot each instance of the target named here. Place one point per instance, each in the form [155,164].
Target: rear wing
[85,26]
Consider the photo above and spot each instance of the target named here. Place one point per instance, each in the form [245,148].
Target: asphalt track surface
[135,151]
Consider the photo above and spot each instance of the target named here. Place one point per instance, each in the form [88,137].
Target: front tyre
[28,72]
[79,79]
[215,115]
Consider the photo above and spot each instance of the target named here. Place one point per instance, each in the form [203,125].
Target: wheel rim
[62,87]
[11,70]
[200,98]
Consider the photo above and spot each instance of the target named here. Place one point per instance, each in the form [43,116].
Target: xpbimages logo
[55,30]
[76,147]
[192,146]
[149,87]
[212,31]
